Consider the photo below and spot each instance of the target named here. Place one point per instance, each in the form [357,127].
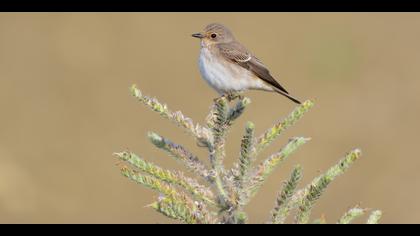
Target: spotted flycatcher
[229,67]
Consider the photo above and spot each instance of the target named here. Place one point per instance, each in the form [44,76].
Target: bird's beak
[198,35]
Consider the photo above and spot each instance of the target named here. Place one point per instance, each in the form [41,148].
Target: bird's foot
[215,100]
[229,96]
[223,96]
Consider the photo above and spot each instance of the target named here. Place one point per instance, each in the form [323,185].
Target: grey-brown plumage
[219,42]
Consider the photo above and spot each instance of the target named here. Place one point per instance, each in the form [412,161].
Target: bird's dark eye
[213,36]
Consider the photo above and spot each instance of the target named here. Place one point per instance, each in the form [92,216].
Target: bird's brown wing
[237,53]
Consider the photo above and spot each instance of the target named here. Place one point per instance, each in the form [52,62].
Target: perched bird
[229,67]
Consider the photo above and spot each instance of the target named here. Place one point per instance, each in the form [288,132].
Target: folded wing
[237,53]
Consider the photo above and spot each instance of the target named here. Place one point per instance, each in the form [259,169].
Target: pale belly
[226,77]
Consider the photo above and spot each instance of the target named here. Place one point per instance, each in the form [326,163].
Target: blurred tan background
[65,107]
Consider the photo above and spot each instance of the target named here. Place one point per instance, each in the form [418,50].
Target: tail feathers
[288,96]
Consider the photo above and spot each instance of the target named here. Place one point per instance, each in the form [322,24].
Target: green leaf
[282,208]
[190,185]
[351,214]
[261,173]
[271,134]
[202,134]
[374,217]
[183,155]
[306,198]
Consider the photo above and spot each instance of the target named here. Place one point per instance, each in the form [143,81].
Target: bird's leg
[224,95]
[217,99]
[233,95]
[240,96]
[230,96]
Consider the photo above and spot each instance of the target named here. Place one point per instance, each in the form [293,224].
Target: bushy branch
[263,170]
[174,210]
[202,134]
[271,134]
[229,191]
[307,197]
[183,155]
[246,157]
[374,217]
[176,204]
[151,182]
[282,208]
[197,214]
[178,178]
[351,214]
[314,192]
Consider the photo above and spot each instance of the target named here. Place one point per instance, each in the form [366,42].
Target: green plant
[227,191]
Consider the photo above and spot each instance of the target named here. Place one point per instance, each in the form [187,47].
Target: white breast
[224,76]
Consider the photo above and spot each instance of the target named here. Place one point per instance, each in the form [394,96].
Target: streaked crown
[216,33]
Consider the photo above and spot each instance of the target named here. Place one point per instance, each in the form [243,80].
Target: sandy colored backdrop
[65,107]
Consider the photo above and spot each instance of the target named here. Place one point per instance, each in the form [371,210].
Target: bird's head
[215,33]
